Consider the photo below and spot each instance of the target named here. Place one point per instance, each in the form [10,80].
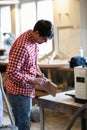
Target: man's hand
[39,80]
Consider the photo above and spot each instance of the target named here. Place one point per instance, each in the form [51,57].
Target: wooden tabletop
[61,102]
[54,63]
[3,62]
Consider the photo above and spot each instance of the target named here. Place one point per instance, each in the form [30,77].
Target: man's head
[44,30]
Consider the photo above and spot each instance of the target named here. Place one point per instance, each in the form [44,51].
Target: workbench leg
[42,117]
[83,124]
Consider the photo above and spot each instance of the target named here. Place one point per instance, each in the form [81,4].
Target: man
[23,72]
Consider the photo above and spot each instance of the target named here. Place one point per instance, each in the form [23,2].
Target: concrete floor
[53,121]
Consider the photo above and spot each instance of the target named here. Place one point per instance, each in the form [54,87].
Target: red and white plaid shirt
[22,65]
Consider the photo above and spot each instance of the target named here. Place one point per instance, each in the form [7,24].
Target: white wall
[69,28]
[83,4]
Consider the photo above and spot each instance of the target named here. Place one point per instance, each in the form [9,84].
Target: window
[33,11]
[28,16]
[5,26]
[5,19]
[42,13]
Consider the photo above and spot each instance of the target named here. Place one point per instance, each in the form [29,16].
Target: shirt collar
[30,37]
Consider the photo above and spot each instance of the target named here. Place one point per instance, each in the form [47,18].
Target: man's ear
[37,33]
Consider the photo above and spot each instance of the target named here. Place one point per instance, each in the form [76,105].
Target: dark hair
[45,28]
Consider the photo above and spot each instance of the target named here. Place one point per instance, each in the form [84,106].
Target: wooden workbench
[61,103]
